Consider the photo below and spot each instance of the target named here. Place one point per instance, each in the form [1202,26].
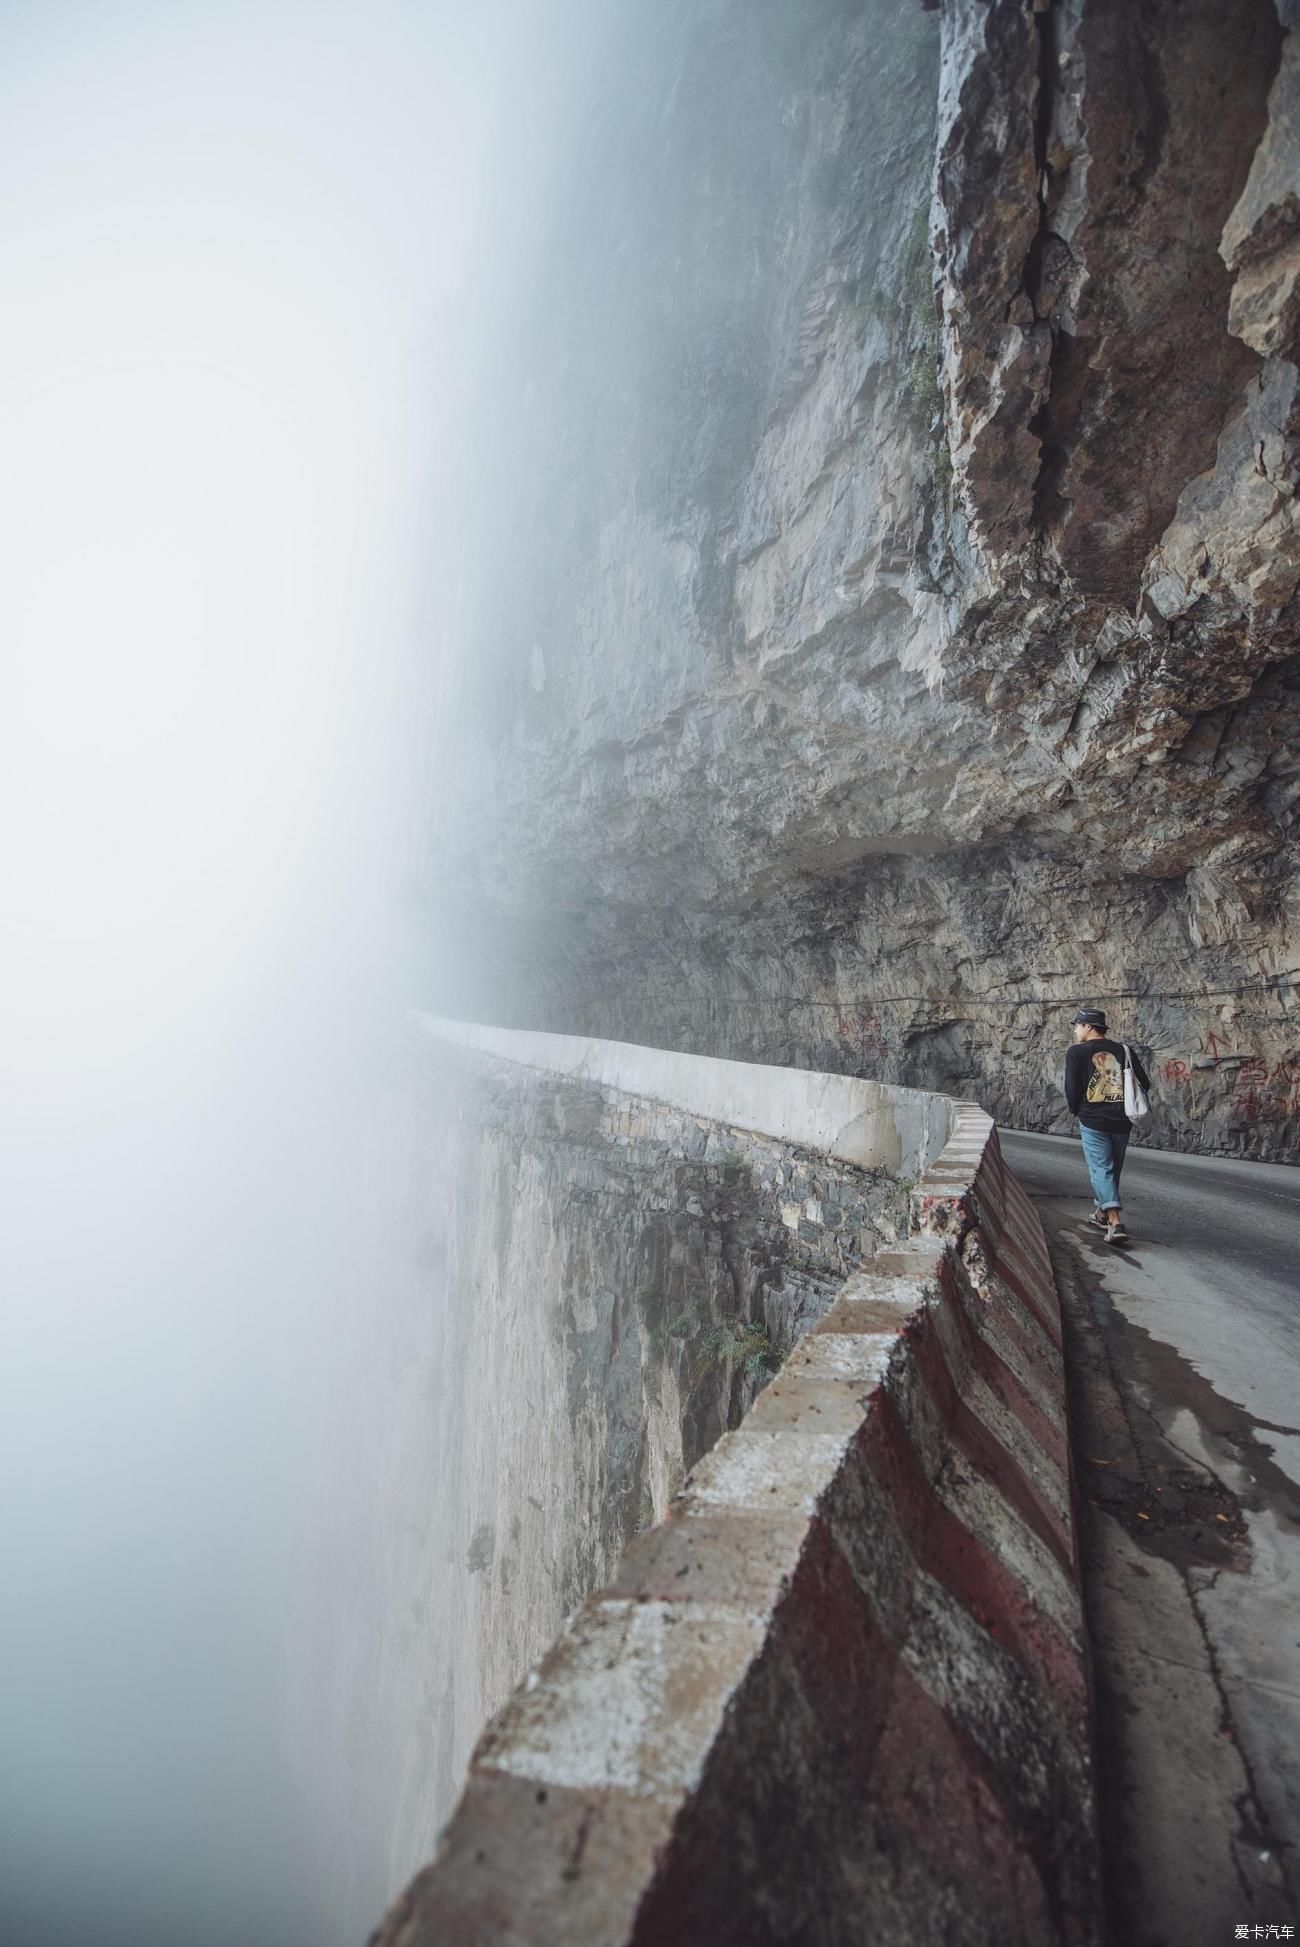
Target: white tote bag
[1136,1104]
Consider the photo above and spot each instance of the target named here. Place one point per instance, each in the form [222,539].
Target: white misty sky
[224,230]
[227,231]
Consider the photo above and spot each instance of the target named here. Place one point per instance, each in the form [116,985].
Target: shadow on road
[1169,1477]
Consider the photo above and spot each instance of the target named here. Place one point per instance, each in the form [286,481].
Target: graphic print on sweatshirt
[1106,1082]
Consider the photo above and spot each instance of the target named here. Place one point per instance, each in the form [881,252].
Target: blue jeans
[1103,1152]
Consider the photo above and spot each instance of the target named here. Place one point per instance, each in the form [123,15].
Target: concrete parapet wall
[840,1693]
[600,1283]
[874,1125]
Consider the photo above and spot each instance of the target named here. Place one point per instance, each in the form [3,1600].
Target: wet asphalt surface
[1183,1370]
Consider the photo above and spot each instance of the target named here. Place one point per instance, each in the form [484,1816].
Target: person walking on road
[1094,1091]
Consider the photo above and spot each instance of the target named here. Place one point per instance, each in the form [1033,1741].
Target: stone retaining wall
[840,1693]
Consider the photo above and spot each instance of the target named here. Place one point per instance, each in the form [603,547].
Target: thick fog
[236,241]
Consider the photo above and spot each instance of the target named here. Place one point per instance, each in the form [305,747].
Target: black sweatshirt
[1094,1083]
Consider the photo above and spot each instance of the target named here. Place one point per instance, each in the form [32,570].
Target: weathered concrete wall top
[875,1125]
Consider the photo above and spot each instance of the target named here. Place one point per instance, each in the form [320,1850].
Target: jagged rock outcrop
[870,620]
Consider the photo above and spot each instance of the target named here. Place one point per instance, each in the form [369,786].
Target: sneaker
[1116,1234]
[1098,1218]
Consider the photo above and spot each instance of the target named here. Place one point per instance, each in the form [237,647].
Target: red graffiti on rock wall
[1175,1073]
[1251,1076]
[859,1033]
[1286,1102]
[1263,1094]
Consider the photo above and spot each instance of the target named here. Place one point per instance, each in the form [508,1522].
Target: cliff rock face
[872,630]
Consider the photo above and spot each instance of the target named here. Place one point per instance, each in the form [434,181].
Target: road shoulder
[1188,1833]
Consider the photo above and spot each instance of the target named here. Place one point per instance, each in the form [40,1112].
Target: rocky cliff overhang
[893,440]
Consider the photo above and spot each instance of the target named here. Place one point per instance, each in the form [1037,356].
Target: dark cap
[1090,1017]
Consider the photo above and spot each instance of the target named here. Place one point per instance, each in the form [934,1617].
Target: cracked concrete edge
[852,1611]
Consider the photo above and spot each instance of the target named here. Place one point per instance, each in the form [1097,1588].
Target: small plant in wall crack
[747,1345]
[755,1351]
[658,1338]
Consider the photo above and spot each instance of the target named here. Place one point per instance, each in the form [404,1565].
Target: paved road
[1184,1372]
